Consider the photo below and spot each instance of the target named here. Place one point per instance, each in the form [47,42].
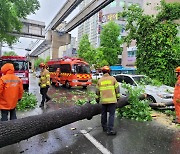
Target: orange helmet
[106,69]
[42,65]
[177,70]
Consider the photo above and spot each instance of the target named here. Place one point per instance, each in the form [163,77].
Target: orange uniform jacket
[11,88]
[176,98]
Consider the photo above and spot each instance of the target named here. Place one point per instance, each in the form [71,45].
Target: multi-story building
[89,27]
[93,26]
[109,13]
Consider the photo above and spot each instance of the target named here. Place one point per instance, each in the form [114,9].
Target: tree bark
[20,129]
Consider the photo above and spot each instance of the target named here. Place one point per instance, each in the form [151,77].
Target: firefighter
[57,77]
[11,91]
[176,99]
[108,94]
[44,83]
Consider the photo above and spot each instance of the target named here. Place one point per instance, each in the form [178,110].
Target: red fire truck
[21,66]
[70,72]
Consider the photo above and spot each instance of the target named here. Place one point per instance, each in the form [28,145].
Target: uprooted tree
[20,129]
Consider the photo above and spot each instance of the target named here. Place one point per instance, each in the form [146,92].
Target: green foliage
[10,14]
[169,113]
[99,58]
[110,43]
[148,81]
[47,59]
[81,101]
[10,53]
[91,97]
[138,109]
[107,53]
[37,62]
[94,81]
[28,101]
[86,51]
[157,42]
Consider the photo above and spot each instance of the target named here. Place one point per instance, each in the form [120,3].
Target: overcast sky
[48,9]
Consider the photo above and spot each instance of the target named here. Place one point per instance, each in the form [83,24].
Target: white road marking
[95,142]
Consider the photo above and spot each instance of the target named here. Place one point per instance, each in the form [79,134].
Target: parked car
[155,94]
[97,76]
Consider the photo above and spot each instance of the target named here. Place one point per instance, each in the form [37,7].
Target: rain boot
[111,132]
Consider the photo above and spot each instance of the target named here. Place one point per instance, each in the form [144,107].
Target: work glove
[39,84]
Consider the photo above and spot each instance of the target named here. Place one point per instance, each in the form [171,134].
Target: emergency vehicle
[70,72]
[21,66]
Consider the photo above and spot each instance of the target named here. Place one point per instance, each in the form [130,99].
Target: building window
[113,4]
[132,53]
[121,3]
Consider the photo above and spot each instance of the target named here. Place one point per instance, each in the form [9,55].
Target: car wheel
[151,99]
[67,85]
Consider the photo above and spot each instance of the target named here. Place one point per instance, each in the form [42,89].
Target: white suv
[156,94]
[97,76]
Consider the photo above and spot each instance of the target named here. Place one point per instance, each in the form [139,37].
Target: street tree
[47,59]
[86,51]
[38,61]
[10,53]
[100,59]
[10,14]
[110,42]
[158,50]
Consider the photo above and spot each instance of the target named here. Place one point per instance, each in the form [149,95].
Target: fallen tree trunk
[20,129]
[154,105]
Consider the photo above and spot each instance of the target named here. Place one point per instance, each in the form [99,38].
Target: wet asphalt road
[132,137]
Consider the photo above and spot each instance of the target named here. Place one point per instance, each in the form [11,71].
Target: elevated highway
[57,39]
[86,13]
[67,8]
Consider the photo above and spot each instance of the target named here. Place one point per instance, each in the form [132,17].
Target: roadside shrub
[28,101]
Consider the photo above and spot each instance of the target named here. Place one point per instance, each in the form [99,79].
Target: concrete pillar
[57,40]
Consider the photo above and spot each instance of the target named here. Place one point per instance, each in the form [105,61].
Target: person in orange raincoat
[176,99]
[11,90]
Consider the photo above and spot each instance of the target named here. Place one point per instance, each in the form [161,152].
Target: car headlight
[89,80]
[74,80]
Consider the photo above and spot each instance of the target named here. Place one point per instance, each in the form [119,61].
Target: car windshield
[142,80]
[18,65]
[82,69]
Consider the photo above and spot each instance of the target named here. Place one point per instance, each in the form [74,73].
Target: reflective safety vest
[107,89]
[44,79]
